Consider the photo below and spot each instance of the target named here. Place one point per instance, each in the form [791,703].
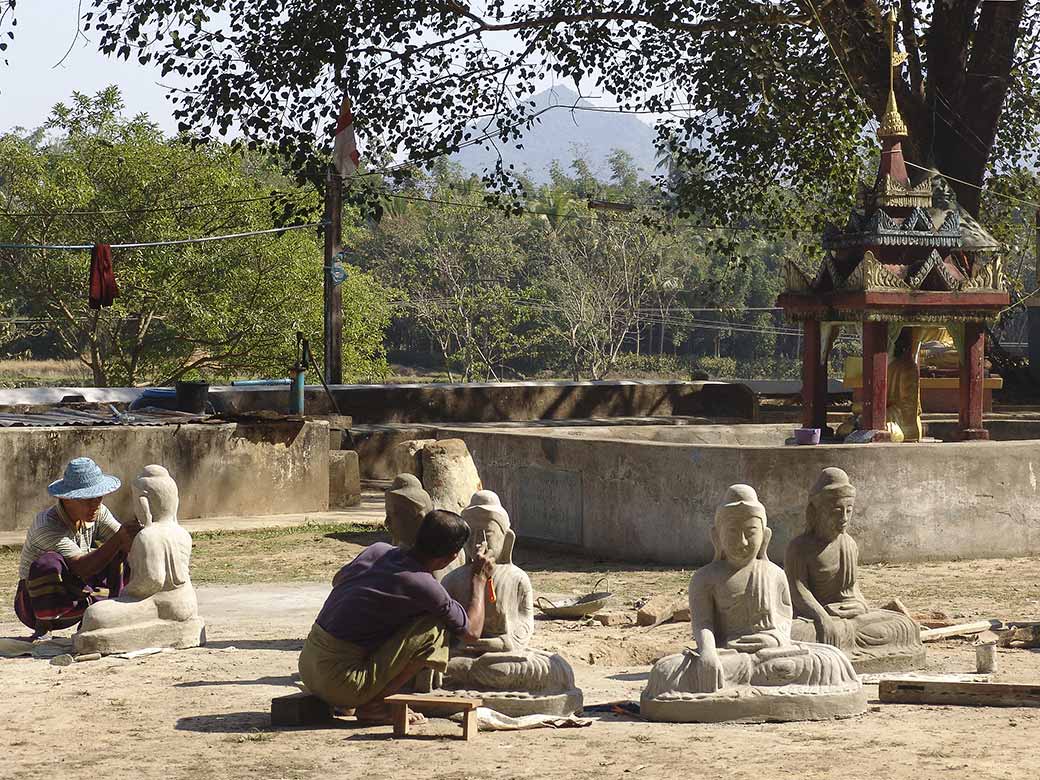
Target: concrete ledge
[654,501]
[221,469]
[504,401]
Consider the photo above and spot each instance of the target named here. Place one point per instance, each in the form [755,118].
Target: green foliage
[218,309]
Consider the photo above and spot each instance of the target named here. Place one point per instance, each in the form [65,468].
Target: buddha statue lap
[511,677]
[828,605]
[746,667]
[157,608]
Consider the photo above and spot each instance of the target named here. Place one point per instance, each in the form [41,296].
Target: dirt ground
[203,713]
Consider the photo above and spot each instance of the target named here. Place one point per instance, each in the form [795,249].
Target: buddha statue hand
[847,609]
[710,674]
[752,643]
[829,630]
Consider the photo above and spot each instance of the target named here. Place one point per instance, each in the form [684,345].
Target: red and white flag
[344,153]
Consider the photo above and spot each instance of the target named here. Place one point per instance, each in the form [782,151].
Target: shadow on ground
[363,538]
[285,679]
[295,645]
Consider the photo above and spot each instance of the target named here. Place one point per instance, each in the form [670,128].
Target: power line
[149,210]
[172,242]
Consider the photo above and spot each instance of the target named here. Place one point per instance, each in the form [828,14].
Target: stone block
[406,457]
[344,479]
[613,618]
[664,609]
[300,709]
[449,474]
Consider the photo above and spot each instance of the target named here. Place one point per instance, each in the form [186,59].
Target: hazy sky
[31,84]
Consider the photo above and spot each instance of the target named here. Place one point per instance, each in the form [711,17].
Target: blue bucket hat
[83,479]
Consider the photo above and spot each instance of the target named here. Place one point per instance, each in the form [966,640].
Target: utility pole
[333,294]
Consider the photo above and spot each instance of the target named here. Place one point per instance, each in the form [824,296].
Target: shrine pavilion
[908,257]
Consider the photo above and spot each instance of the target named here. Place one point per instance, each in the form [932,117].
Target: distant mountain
[562,134]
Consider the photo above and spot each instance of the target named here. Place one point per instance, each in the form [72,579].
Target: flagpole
[333,298]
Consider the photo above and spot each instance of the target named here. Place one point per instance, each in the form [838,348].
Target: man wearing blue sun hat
[71,550]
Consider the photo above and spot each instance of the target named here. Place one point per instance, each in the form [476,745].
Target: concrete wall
[650,501]
[504,401]
[221,469]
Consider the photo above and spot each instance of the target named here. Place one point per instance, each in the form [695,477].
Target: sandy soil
[203,713]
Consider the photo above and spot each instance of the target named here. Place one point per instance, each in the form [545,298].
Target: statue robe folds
[158,607]
[829,607]
[761,615]
[500,667]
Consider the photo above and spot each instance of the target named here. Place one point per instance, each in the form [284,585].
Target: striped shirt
[49,532]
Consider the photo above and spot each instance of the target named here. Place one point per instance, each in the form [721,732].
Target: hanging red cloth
[103,288]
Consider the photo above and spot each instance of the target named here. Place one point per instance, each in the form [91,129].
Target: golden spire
[892,124]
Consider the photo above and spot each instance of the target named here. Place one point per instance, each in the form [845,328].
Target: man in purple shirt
[388,618]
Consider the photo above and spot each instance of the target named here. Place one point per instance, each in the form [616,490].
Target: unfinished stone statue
[829,607]
[158,606]
[745,667]
[511,677]
[406,505]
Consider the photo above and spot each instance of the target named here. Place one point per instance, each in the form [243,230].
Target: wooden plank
[974,694]
[961,629]
[464,703]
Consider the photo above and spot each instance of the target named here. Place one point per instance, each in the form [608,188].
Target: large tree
[750,91]
[220,309]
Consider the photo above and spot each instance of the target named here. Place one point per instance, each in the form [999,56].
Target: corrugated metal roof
[59,416]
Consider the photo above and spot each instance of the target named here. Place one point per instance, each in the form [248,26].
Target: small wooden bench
[400,703]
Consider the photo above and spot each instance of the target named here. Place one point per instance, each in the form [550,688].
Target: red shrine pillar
[814,378]
[972,368]
[875,378]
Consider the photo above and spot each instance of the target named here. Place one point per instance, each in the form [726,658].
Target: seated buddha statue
[501,660]
[828,605]
[745,666]
[157,608]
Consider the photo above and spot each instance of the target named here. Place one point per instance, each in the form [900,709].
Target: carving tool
[490,585]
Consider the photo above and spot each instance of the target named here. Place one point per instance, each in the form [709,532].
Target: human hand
[482,564]
[130,529]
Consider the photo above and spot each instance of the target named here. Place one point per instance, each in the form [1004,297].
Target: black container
[192,396]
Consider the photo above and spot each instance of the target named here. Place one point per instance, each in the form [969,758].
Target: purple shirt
[381,590]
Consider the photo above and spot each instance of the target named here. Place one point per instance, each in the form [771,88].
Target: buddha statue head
[487,519]
[829,509]
[406,505]
[740,533]
[155,495]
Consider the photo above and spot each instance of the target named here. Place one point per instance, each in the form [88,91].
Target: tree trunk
[954,122]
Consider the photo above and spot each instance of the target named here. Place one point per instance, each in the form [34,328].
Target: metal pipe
[260,382]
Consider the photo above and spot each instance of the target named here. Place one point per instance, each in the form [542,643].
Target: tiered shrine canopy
[909,256]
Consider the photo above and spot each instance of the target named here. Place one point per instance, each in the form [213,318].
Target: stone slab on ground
[155,633]
[300,709]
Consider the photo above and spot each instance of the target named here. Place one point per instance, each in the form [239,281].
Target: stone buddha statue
[511,677]
[406,505]
[829,607]
[158,607]
[746,667]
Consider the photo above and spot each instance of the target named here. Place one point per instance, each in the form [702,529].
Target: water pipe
[299,375]
[260,382]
